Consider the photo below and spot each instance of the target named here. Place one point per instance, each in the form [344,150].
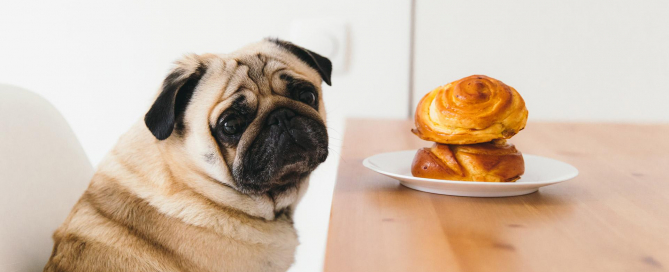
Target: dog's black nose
[279,116]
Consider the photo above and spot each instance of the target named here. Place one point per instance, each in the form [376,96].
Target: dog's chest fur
[134,218]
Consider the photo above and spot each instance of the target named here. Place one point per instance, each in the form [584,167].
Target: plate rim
[371,166]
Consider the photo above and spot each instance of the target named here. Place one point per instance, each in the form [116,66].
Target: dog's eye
[308,97]
[232,124]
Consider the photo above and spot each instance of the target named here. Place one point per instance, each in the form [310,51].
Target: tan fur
[161,206]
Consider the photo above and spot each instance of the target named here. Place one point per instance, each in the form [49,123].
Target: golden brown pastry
[495,161]
[475,109]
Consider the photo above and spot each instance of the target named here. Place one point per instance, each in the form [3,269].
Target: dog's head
[253,120]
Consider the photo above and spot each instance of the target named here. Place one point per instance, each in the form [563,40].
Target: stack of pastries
[469,120]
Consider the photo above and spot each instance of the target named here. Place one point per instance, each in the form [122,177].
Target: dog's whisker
[338,154]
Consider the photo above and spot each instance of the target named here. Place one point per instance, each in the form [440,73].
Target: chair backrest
[43,172]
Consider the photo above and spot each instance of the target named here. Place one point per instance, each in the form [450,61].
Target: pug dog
[209,180]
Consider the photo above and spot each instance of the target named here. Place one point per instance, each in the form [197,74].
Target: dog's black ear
[171,103]
[316,61]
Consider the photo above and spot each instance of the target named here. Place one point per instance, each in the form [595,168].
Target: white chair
[43,172]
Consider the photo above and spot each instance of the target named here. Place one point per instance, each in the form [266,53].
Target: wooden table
[613,217]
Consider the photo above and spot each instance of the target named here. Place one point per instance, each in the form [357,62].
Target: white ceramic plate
[539,172]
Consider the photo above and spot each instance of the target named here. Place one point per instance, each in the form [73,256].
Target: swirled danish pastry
[475,109]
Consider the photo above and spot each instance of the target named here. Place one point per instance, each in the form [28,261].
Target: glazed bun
[475,109]
[495,161]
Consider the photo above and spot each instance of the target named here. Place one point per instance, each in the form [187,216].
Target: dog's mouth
[284,152]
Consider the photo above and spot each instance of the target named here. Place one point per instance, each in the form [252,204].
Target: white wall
[100,63]
[570,60]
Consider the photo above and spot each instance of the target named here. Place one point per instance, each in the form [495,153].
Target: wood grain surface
[613,217]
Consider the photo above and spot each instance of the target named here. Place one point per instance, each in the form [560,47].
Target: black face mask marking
[287,148]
